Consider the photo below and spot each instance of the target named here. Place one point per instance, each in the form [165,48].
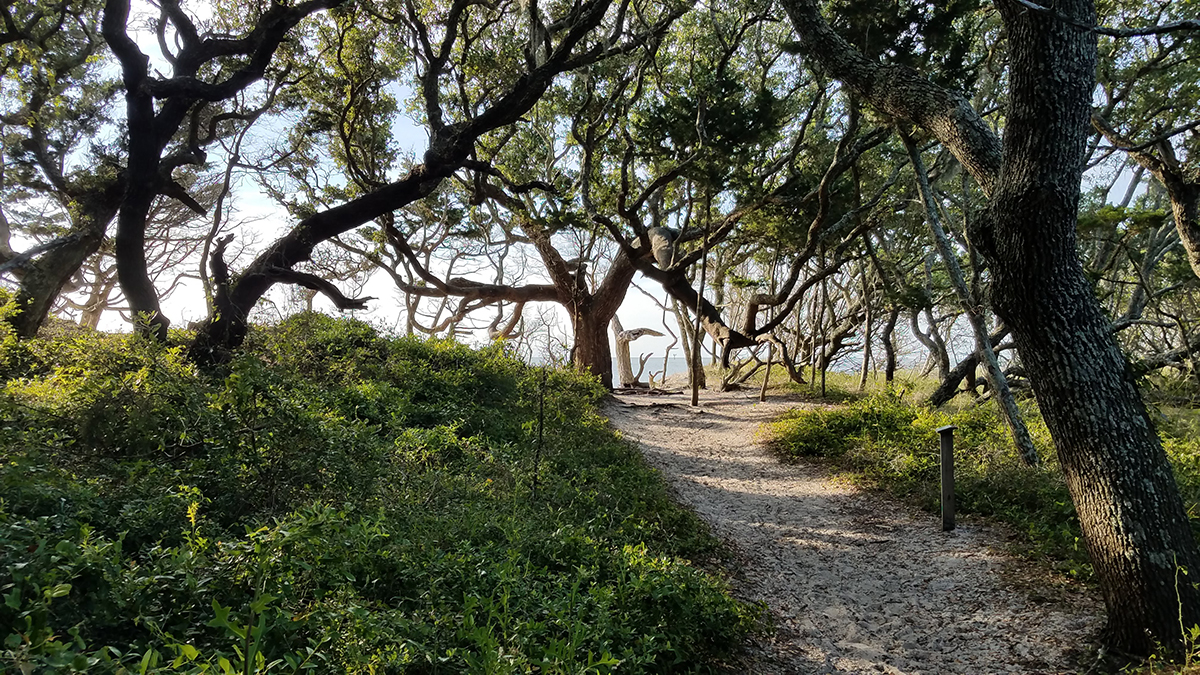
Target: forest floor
[856,581]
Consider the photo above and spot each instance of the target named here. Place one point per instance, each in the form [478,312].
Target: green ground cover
[335,501]
[886,440]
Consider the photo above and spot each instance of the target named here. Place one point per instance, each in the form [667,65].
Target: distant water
[654,364]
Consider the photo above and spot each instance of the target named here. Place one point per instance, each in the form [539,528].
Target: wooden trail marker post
[947,439]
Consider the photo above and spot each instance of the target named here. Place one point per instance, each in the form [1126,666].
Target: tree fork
[983,343]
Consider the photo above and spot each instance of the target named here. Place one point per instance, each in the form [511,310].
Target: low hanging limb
[220,275]
[316,283]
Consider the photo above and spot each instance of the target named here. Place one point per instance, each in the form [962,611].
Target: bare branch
[1173,27]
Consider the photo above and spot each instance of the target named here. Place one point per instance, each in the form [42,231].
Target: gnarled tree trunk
[625,375]
[43,279]
[592,352]
[1119,478]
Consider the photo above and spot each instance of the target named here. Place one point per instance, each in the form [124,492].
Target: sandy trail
[858,583]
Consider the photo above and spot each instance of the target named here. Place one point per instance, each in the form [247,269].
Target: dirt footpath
[857,582]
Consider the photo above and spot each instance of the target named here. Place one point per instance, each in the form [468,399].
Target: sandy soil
[857,582]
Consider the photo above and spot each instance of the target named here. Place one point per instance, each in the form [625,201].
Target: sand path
[857,582]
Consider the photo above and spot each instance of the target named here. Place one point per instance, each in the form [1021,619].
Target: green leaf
[261,603]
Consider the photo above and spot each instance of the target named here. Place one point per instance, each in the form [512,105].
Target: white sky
[270,221]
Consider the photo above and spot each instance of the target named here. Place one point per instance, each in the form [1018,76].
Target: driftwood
[625,375]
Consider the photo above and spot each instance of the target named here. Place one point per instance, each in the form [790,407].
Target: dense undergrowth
[334,501]
[884,441]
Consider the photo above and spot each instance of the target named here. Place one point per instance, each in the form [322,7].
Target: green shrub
[336,501]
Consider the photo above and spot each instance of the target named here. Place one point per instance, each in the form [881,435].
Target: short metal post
[947,439]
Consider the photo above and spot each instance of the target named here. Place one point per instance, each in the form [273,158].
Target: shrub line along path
[856,581]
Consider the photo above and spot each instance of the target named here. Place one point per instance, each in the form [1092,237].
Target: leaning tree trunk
[45,278]
[1120,481]
[1132,516]
[983,343]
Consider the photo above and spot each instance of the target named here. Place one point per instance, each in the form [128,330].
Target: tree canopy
[817,178]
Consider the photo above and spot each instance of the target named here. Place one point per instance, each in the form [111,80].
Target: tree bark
[889,346]
[983,343]
[963,371]
[1120,481]
[592,352]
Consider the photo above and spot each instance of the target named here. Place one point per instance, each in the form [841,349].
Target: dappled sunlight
[857,581]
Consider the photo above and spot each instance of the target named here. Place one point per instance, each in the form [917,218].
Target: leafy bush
[335,501]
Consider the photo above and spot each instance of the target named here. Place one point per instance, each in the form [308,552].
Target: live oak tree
[60,185]
[449,49]
[1149,109]
[171,118]
[506,216]
[1129,507]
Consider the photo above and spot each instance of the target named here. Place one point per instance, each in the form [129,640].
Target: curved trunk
[44,278]
[889,345]
[130,249]
[1132,516]
[42,283]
